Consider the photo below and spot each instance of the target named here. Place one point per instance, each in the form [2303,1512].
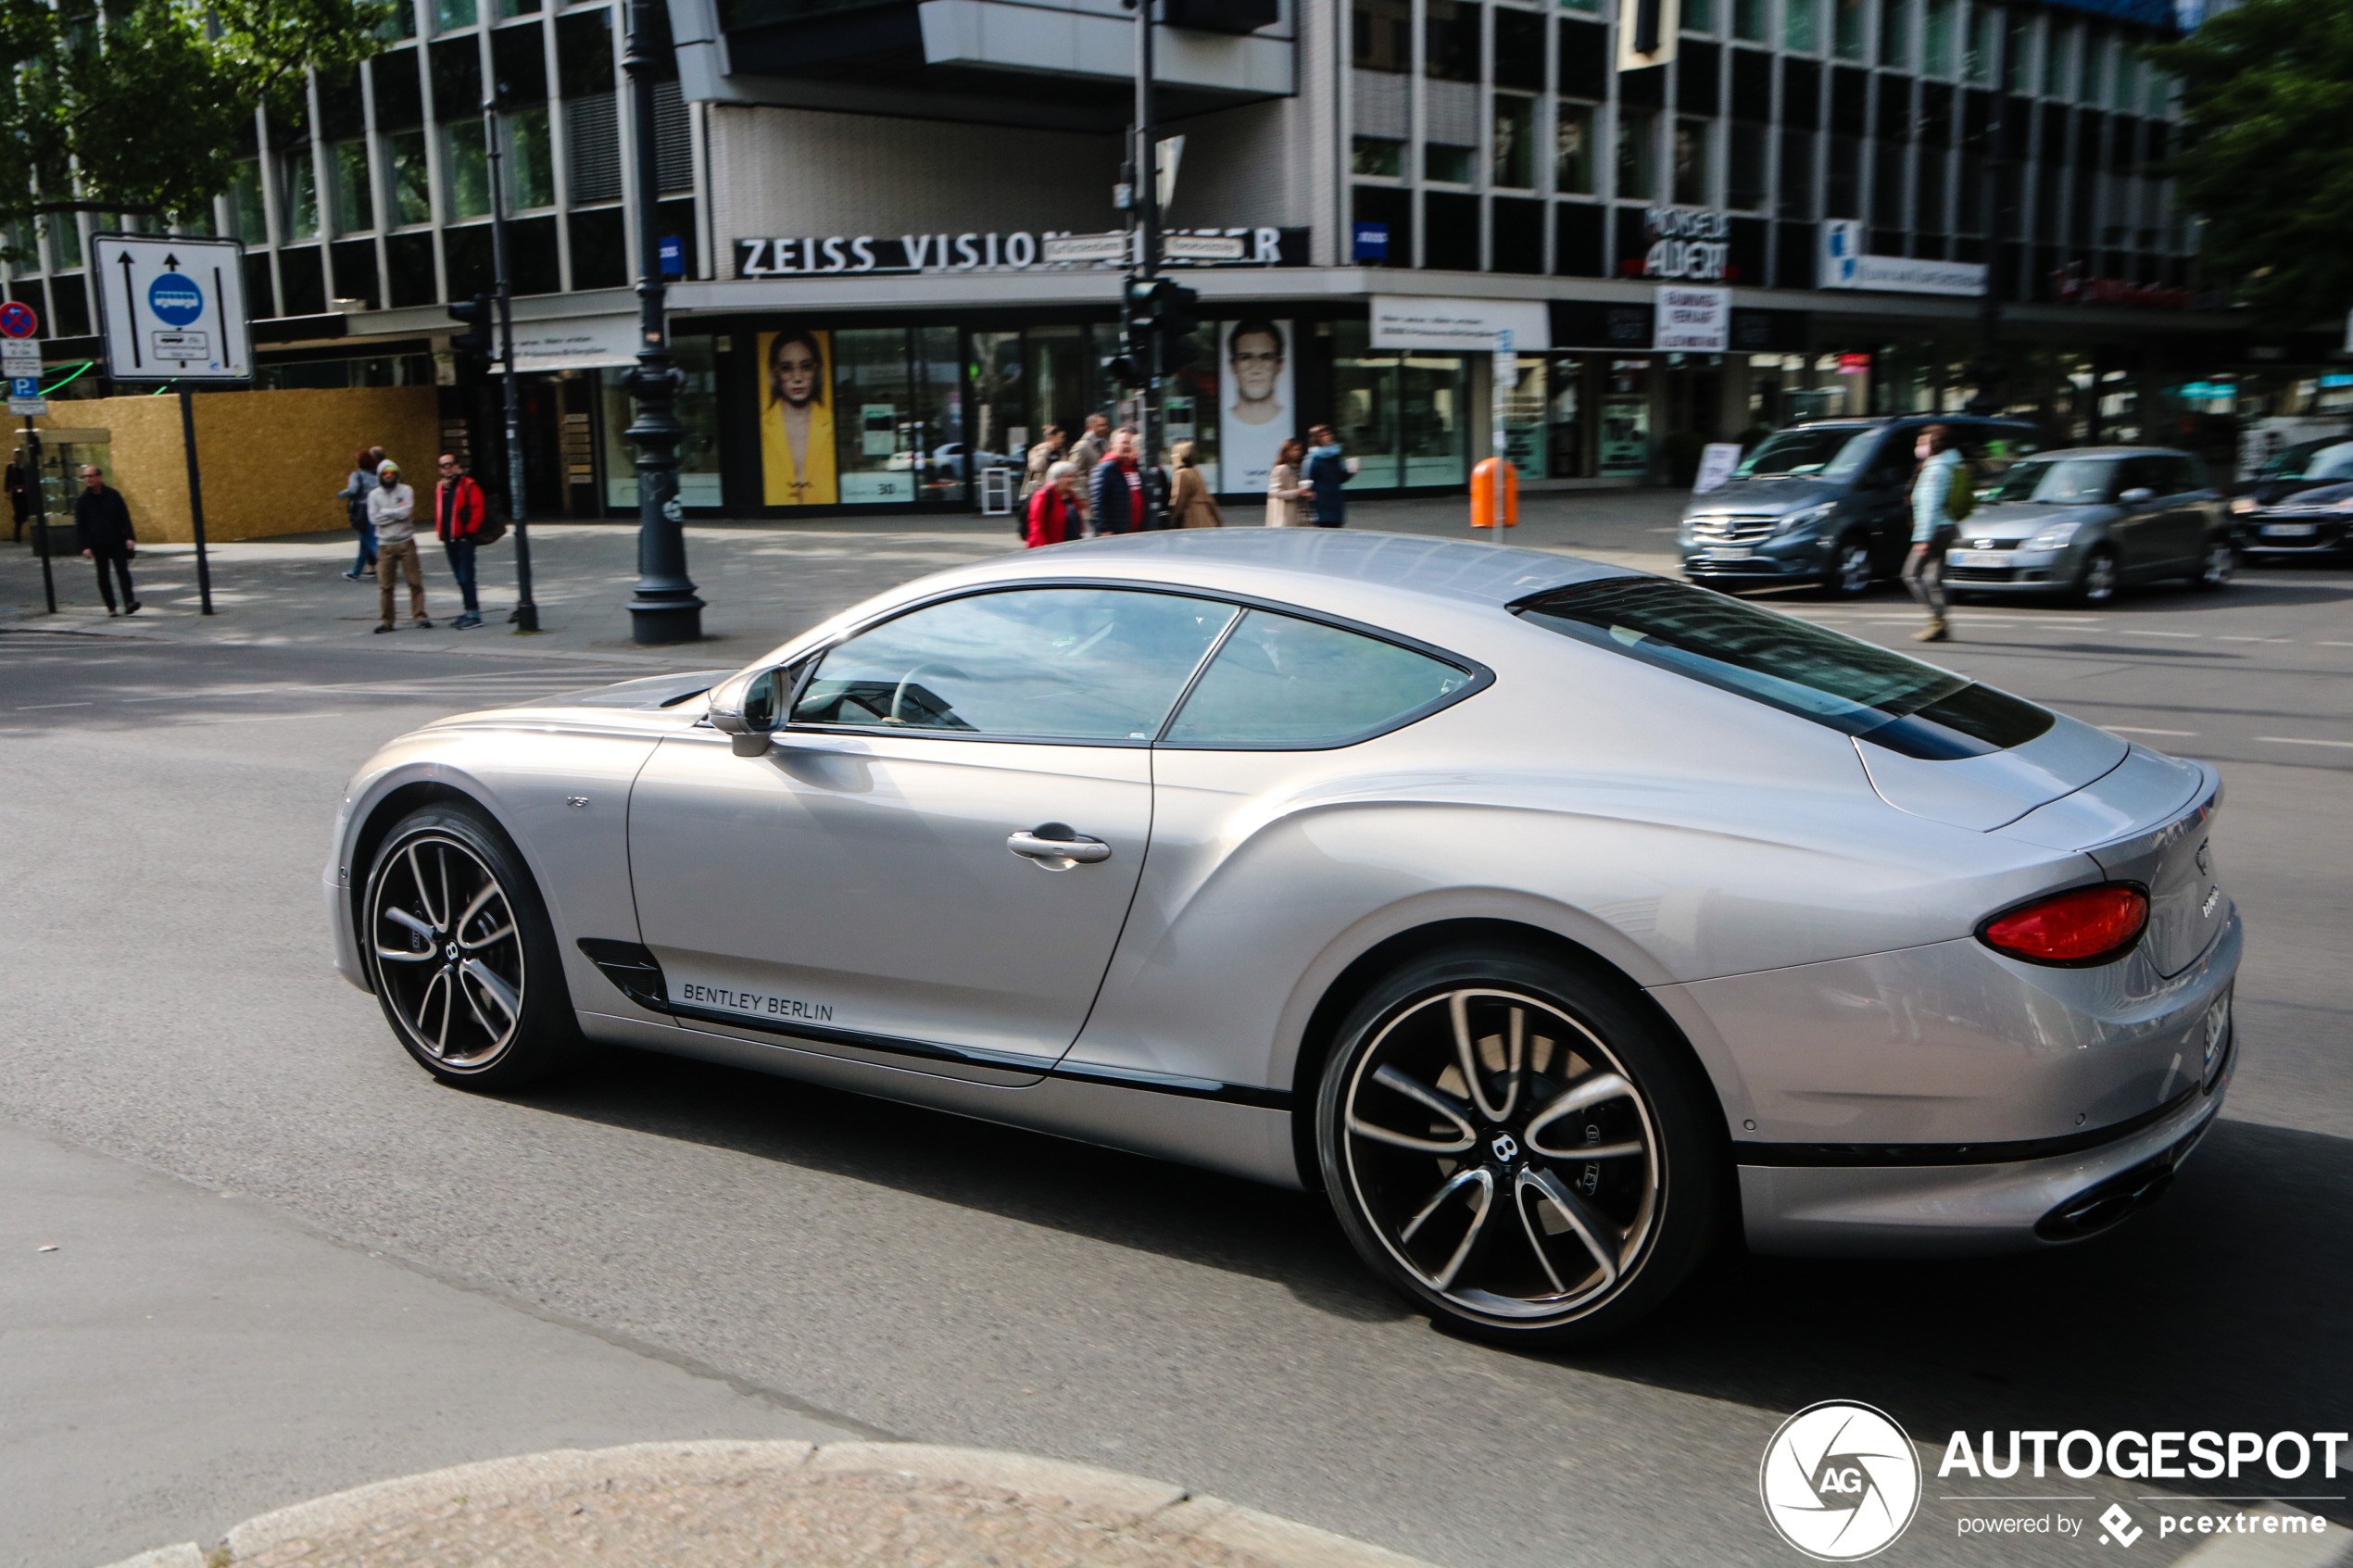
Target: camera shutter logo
[1840,1481]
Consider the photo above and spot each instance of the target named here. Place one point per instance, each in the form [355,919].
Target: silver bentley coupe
[1559,922]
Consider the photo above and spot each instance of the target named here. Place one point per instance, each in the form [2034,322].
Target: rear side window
[1809,670]
[1281,682]
[2061,482]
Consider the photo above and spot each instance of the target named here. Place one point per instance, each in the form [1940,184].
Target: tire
[2100,580]
[1851,574]
[461,953]
[1522,1242]
[2216,566]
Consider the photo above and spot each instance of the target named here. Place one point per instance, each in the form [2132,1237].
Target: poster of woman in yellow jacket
[796,423]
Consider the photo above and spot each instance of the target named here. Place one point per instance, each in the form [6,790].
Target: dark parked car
[2305,466]
[1829,501]
[2309,523]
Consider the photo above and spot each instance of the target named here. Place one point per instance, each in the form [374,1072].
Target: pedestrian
[1042,458]
[1933,526]
[459,508]
[1115,489]
[102,522]
[1190,501]
[1057,512]
[392,509]
[354,496]
[1093,446]
[20,496]
[1327,471]
[1283,488]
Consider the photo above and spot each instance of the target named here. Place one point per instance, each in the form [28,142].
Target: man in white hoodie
[392,508]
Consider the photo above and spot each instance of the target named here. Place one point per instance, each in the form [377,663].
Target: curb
[901,1487]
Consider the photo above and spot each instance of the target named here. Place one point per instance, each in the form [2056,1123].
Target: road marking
[2137,730]
[2220,639]
[32,707]
[2137,631]
[2299,740]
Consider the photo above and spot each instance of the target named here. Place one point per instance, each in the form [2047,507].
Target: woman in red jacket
[1057,510]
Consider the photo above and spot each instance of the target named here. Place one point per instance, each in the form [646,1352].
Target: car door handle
[1054,841]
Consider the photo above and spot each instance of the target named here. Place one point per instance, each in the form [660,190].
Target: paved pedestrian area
[763,581]
[737,1504]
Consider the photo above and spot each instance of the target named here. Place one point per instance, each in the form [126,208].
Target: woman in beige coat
[1283,492]
[1190,501]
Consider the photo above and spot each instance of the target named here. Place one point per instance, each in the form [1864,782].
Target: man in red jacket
[458,510]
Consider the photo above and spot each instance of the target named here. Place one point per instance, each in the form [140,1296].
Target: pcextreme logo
[1840,1481]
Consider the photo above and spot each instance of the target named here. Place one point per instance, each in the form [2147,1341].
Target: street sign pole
[195,496]
[526,610]
[1147,199]
[41,518]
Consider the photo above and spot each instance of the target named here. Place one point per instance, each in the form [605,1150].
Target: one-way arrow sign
[174,309]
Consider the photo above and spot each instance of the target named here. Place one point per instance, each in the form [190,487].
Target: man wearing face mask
[1932,527]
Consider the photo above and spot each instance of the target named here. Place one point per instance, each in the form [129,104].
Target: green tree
[137,106]
[2268,159]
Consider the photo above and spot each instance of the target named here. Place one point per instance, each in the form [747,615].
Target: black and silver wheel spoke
[1474,1099]
[450,962]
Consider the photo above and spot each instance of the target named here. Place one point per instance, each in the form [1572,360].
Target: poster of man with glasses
[1254,393]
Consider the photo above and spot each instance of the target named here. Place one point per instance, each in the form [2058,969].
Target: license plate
[1731,552]
[1973,558]
[2290,530]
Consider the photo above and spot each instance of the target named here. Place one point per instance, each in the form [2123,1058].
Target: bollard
[1488,508]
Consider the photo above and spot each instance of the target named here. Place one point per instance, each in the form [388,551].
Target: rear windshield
[2061,482]
[1828,452]
[1834,680]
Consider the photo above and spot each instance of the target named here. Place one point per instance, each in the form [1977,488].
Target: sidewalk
[763,581]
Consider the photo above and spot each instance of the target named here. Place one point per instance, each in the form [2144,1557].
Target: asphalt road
[837,1260]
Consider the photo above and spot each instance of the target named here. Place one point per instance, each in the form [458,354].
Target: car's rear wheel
[2217,566]
[2098,580]
[1512,1144]
[1851,574]
[462,954]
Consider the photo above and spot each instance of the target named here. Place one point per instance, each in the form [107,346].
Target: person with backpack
[459,509]
[1944,492]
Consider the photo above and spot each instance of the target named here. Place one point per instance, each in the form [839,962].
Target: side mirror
[2139,494]
[743,708]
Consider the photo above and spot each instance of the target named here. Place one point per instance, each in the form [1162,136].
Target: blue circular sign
[175,300]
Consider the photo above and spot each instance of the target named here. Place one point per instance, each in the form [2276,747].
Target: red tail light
[2075,929]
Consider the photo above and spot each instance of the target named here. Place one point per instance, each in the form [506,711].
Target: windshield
[1796,666]
[2314,459]
[1825,452]
[2326,495]
[2064,482]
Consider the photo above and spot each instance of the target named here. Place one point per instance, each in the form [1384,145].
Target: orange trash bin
[1494,489]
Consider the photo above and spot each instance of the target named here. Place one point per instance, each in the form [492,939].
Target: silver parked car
[2086,522]
[1555,920]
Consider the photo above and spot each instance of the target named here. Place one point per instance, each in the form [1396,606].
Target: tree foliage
[2268,104]
[139,107]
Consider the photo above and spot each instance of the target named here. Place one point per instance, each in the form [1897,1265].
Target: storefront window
[1564,423]
[876,430]
[1001,397]
[697,409]
[940,393]
[1523,408]
[1365,403]
[1626,420]
[1401,416]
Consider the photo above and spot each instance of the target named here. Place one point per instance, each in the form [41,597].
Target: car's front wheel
[2097,582]
[462,954]
[2217,565]
[1512,1143]
[1851,574]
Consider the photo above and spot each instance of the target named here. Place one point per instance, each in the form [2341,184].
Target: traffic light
[1160,316]
[473,346]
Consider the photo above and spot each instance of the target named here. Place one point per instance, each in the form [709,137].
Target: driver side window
[1070,664]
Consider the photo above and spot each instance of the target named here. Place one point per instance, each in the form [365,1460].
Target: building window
[2094,75]
[2058,51]
[1797,173]
[1846,29]
[1930,215]
[1452,165]
[65,243]
[1749,20]
[1984,40]
[299,195]
[2127,83]
[530,159]
[1637,154]
[1450,40]
[1937,39]
[448,15]
[1383,157]
[411,184]
[353,193]
[1694,163]
[1843,197]
[1746,168]
[248,219]
[1515,140]
[1895,33]
[465,165]
[1590,7]
[1381,35]
[1699,16]
[1573,150]
[1802,25]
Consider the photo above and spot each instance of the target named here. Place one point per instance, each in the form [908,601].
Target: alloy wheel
[2097,586]
[2220,564]
[447,955]
[1851,576]
[1503,1155]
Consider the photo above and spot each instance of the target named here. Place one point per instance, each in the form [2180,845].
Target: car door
[1883,496]
[931,861]
[2139,531]
[2182,522]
